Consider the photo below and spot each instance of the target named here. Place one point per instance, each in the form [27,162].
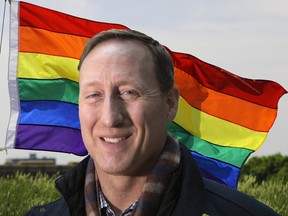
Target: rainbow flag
[222,118]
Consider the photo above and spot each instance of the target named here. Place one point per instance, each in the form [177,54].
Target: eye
[93,96]
[129,94]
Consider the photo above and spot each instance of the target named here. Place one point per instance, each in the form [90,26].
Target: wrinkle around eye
[129,95]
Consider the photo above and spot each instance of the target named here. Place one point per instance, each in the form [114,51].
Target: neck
[121,191]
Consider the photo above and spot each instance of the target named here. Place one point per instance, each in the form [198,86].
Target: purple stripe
[50,138]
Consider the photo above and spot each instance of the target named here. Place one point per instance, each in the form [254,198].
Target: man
[127,96]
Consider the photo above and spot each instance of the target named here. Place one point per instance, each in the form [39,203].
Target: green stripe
[230,155]
[56,89]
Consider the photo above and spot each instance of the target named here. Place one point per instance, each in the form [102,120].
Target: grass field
[21,192]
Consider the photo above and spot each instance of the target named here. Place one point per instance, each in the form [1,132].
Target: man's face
[122,111]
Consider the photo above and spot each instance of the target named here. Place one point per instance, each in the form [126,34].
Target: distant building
[33,165]
[31,161]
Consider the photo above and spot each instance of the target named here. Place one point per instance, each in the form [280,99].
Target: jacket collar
[186,194]
[71,186]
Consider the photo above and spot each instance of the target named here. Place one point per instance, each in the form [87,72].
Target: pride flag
[222,118]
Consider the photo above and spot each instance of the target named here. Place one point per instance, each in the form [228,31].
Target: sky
[246,37]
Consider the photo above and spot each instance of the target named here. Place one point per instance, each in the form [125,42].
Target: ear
[172,103]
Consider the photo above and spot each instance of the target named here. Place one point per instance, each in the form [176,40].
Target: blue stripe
[217,170]
[52,113]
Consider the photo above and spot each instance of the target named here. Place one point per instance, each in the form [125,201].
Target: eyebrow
[89,83]
[92,83]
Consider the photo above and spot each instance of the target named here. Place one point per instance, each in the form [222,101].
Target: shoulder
[220,199]
[228,201]
[58,207]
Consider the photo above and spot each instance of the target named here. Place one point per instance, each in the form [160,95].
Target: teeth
[114,140]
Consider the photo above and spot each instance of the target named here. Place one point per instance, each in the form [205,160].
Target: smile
[114,140]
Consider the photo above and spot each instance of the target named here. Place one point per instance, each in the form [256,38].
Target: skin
[123,116]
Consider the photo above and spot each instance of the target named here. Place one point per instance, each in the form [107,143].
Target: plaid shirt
[107,211]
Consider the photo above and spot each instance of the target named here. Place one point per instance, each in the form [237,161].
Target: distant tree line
[267,168]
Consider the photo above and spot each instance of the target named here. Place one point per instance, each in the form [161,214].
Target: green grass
[22,191]
[272,193]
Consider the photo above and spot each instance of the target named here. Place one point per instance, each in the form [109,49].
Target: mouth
[114,139]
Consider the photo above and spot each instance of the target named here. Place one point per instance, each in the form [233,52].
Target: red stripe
[39,17]
[261,92]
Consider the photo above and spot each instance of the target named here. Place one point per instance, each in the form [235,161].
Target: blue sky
[246,37]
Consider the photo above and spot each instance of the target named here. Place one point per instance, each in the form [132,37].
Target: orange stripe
[36,40]
[224,106]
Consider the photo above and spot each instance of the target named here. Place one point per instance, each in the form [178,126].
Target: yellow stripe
[40,66]
[216,130]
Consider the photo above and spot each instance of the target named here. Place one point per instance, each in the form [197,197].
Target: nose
[112,112]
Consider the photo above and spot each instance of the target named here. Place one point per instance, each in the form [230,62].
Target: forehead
[128,47]
[115,49]
[119,56]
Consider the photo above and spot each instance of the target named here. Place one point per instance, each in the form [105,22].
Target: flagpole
[2,28]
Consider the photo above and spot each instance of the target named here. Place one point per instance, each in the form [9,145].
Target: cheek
[151,114]
[87,116]
[87,122]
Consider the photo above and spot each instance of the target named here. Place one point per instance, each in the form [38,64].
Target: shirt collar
[104,206]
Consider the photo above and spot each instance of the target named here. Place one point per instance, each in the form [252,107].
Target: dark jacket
[188,194]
